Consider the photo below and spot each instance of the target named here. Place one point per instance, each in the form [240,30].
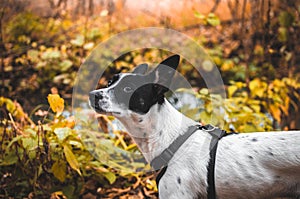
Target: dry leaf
[56,103]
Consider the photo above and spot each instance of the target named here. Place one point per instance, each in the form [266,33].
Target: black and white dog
[253,165]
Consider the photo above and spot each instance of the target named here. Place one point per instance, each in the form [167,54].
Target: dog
[248,165]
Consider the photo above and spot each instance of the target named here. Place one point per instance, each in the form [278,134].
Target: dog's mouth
[100,110]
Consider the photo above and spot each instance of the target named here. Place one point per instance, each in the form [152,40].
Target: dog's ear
[140,69]
[164,73]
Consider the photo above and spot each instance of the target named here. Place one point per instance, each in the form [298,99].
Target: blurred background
[255,45]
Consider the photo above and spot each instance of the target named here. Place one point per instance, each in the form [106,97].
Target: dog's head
[136,92]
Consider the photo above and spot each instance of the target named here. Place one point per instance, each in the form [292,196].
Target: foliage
[261,106]
[51,50]
[49,158]
[210,19]
[44,155]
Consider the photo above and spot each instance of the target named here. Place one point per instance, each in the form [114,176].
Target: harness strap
[216,134]
[163,159]
[161,162]
[160,175]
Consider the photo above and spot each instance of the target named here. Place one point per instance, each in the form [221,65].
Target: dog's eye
[127,89]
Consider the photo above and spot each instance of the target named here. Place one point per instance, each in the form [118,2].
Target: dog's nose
[96,94]
[94,97]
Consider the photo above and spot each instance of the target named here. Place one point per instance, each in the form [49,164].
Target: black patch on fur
[140,92]
[250,157]
[178,180]
[278,177]
[160,133]
[249,177]
[140,120]
[254,140]
[270,153]
[282,138]
[136,92]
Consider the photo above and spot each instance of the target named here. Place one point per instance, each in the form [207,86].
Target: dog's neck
[156,130]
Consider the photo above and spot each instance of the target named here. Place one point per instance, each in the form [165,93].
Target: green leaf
[29,143]
[15,139]
[62,133]
[138,165]
[59,170]
[10,159]
[71,158]
[286,19]
[199,15]
[78,41]
[213,20]
[68,191]
[282,34]
[10,105]
[51,54]
[94,33]
[33,55]
[204,91]
[65,65]
[111,177]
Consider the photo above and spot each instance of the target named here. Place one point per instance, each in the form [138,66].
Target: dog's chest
[186,175]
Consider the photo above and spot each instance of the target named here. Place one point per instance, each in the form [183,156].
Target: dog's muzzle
[94,98]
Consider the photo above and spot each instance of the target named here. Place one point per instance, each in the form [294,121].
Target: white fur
[253,165]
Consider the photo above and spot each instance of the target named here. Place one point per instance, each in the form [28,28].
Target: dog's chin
[102,111]
[106,112]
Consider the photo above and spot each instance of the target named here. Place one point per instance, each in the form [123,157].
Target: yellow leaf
[255,107]
[59,170]
[111,177]
[276,113]
[247,109]
[56,103]
[227,65]
[240,84]
[205,117]
[254,84]
[71,158]
[231,90]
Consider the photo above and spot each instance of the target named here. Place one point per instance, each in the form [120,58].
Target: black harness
[161,162]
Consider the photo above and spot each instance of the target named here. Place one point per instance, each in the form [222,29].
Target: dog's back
[258,164]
